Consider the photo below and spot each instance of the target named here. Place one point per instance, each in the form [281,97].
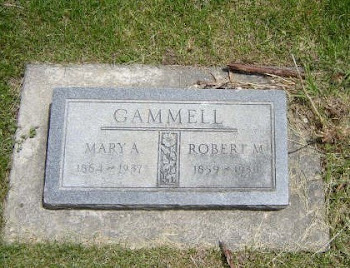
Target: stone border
[301,226]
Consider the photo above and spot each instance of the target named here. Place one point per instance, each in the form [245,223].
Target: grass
[187,33]
[78,256]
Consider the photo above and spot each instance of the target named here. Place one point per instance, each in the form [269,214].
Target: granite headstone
[167,148]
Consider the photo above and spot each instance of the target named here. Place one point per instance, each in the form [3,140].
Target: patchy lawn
[189,33]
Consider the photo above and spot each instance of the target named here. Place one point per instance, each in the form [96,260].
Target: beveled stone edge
[56,199]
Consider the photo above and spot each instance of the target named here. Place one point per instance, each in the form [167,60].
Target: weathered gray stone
[300,226]
[142,148]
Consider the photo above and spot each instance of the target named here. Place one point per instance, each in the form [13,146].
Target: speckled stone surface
[96,161]
[301,226]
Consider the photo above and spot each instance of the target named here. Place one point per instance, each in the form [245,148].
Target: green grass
[78,256]
[187,33]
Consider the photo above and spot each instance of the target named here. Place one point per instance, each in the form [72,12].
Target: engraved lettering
[223,148]
[258,149]
[215,118]
[214,149]
[233,148]
[121,146]
[153,118]
[191,116]
[90,149]
[137,115]
[148,116]
[111,147]
[102,149]
[178,115]
[192,147]
[242,170]
[120,115]
[134,149]
[203,148]
[106,148]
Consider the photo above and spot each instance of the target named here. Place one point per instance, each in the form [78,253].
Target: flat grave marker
[167,148]
[302,225]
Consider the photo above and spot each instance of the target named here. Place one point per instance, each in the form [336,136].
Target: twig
[327,244]
[253,69]
[229,75]
[213,76]
[231,83]
[313,106]
[227,253]
[290,82]
[302,147]
[12,5]
[194,261]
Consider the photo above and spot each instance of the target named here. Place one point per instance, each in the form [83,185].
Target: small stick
[12,5]
[290,82]
[227,253]
[253,69]
[213,76]
[313,106]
